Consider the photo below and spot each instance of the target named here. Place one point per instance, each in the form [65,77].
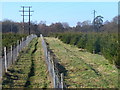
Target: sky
[51,12]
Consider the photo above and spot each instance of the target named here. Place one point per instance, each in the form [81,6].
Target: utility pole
[29,19]
[94,18]
[29,11]
[23,17]
[94,13]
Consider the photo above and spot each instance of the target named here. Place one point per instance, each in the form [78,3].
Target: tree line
[83,35]
[85,26]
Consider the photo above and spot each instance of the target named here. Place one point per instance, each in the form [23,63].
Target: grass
[39,79]
[84,70]
[29,71]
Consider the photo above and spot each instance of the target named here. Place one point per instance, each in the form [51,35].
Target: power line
[29,11]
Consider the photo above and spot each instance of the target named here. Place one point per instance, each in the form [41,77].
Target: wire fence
[57,78]
[10,57]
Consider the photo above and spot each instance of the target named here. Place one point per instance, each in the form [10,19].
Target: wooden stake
[5,59]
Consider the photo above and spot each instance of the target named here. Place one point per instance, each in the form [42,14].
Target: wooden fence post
[22,39]
[62,81]
[54,78]
[5,54]
[14,53]
[22,42]
[20,45]
[48,60]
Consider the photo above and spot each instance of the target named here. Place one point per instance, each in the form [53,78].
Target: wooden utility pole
[94,13]
[29,19]
[23,17]
[29,11]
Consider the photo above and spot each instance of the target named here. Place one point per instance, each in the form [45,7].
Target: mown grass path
[30,70]
[84,70]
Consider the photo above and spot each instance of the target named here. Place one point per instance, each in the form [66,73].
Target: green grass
[40,79]
[29,71]
[84,70]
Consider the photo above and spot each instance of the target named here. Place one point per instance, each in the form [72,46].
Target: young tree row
[98,43]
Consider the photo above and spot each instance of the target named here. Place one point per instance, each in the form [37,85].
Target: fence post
[20,45]
[15,53]
[48,61]
[5,59]
[62,81]
[22,38]
[11,54]
[53,74]
[22,42]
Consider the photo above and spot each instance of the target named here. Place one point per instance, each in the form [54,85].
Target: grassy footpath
[84,70]
[39,79]
[29,71]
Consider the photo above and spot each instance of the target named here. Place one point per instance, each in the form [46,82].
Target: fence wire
[57,78]
[10,57]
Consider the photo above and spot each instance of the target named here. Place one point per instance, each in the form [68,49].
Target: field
[83,69]
[30,70]
[60,46]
